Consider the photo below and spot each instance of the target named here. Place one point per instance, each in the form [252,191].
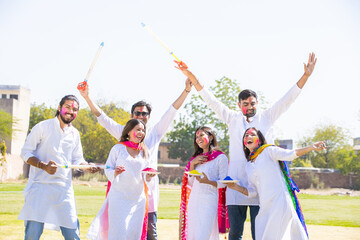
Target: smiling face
[251,139]
[248,106]
[203,140]
[137,134]
[141,113]
[68,111]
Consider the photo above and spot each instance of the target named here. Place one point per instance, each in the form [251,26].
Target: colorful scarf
[132,145]
[291,185]
[185,194]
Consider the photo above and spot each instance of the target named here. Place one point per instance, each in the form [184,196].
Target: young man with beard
[238,122]
[49,195]
[142,110]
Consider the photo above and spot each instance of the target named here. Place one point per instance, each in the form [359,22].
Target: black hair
[213,143]
[65,98]
[245,94]
[140,104]
[262,141]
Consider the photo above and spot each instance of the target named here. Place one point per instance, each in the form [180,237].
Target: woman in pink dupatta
[123,215]
[202,209]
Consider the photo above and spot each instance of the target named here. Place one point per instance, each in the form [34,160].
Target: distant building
[163,155]
[16,101]
[286,144]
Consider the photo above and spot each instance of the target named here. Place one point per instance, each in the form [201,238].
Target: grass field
[318,210]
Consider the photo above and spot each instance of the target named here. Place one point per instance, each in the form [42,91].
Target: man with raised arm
[238,122]
[49,195]
[142,110]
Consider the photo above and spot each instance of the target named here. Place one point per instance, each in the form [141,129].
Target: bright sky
[48,46]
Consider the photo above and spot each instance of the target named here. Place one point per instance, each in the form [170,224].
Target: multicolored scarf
[291,185]
[185,194]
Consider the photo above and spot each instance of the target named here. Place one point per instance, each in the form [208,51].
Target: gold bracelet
[186,90]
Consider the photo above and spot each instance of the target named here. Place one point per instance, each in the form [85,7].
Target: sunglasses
[144,114]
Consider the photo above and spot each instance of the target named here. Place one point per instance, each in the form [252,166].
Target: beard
[250,113]
[67,121]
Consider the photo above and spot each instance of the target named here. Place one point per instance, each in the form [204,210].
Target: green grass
[318,210]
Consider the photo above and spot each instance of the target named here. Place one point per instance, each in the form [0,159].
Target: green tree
[337,138]
[6,123]
[40,113]
[96,141]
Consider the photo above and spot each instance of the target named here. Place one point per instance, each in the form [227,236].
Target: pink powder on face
[134,134]
[197,133]
[244,110]
[205,139]
[63,111]
[245,143]
[256,140]
[72,105]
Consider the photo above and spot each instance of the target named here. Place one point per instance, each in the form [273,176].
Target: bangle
[196,83]
[38,164]
[186,90]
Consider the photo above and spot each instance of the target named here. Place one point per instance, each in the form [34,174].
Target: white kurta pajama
[277,218]
[203,201]
[237,125]
[126,198]
[49,198]
[152,141]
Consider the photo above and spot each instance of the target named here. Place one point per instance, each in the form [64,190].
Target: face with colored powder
[203,139]
[141,113]
[68,111]
[251,139]
[137,134]
[248,106]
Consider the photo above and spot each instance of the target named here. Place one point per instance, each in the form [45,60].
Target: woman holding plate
[280,215]
[202,196]
[124,212]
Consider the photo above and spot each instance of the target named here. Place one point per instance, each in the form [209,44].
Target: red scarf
[185,194]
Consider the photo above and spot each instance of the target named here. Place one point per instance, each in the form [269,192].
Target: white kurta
[203,200]
[237,125]
[50,198]
[277,218]
[152,141]
[126,197]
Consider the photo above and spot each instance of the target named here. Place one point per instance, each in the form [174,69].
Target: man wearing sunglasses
[142,110]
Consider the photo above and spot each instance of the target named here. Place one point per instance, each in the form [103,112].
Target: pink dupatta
[185,194]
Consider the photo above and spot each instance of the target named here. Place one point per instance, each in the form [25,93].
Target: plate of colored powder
[150,171]
[228,179]
[194,173]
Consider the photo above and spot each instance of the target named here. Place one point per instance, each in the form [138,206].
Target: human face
[137,134]
[203,140]
[251,139]
[68,111]
[141,113]
[248,106]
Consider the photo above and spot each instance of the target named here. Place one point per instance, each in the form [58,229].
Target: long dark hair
[213,143]
[262,140]
[130,126]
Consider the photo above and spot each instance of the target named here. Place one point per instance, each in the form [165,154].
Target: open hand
[309,67]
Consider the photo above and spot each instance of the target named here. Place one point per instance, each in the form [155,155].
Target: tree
[337,140]
[40,113]
[6,125]
[199,114]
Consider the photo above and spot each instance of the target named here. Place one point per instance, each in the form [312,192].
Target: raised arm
[94,108]
[180,100]
[318,146]
[308,69]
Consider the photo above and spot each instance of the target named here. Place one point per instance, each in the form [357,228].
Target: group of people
[261,179]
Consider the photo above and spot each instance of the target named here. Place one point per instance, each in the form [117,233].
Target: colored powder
[195,172]
[228,178]
[149,170]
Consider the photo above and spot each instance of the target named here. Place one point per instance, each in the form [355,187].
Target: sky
[48,46]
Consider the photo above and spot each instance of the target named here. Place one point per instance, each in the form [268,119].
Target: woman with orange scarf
[280,215]
[202,209]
